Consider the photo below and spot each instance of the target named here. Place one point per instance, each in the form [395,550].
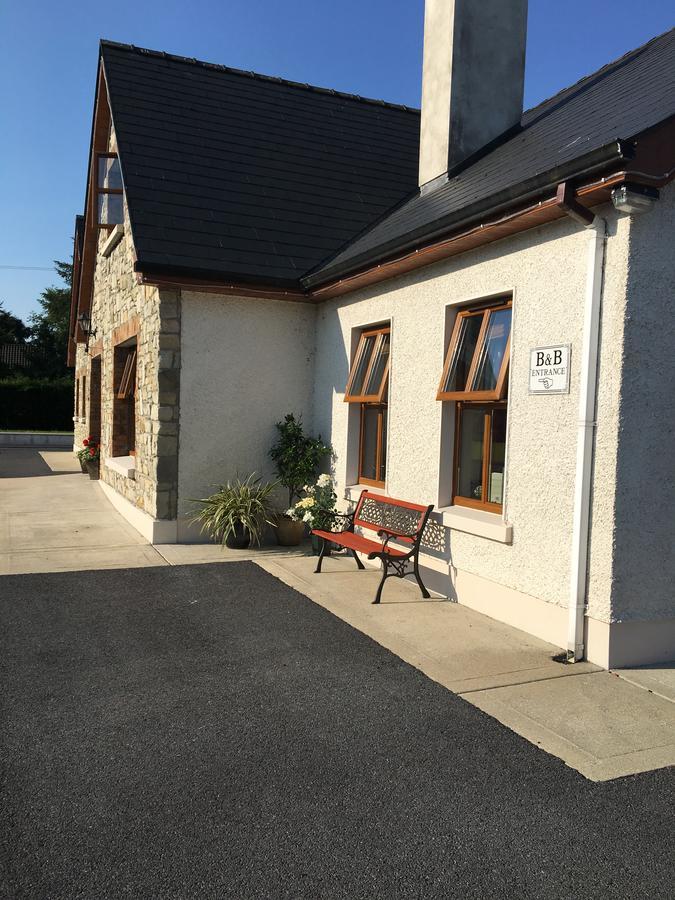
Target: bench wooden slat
[356,542]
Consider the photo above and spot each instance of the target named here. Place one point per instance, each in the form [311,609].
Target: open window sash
[477,362]
[127,386]
[369,374]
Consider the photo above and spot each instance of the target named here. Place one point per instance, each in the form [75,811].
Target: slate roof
[577,127]
[230,174]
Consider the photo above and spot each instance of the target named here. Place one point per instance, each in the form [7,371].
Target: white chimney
[472,78]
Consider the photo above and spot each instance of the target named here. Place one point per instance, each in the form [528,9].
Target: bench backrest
[375,511]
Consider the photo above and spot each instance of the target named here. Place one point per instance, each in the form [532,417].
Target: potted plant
[90,457]
[237,513]
[316,508]
[297,458]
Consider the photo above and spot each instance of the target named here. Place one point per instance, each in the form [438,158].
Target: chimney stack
[472,79]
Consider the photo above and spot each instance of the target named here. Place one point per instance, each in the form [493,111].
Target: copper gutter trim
[214,287]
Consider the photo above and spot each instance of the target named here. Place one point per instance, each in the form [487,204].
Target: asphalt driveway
[206,731]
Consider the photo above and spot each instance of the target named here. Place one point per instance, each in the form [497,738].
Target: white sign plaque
[550,369]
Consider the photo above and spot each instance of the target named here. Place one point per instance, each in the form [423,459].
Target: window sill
[353,491]
[478,522]
[123,465]
[114,238]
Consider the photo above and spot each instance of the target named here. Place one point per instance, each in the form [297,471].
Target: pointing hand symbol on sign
[547,382]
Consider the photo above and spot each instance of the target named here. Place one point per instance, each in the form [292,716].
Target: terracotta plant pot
[93,469]
[289,532]
[240,539]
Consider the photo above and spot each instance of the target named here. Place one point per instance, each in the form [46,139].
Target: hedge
[36,404]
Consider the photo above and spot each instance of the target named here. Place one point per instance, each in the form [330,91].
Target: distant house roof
[230,174]
[579,127]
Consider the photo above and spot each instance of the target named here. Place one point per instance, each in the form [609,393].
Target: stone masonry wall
[121,308]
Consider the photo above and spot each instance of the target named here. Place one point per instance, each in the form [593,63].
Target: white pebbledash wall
[524,581]
[245,364]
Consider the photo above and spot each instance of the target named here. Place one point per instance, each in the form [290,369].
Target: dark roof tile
[228,172]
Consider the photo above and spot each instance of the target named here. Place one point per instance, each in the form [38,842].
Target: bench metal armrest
[347,517]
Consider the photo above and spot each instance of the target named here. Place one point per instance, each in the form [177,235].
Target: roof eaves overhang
[179,278]
[519,196]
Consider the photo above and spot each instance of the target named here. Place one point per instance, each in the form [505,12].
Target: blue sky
[48,53]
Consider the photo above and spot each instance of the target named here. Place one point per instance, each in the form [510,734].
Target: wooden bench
[392,520]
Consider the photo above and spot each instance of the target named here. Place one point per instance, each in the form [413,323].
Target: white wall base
[544,620]
[616,645]
[626,644]
[156,531]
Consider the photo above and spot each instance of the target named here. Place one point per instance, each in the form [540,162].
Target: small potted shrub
[316,508]
[90,457]
[297,458]
[236,515]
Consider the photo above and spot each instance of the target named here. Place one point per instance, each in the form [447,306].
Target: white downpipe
[585,434]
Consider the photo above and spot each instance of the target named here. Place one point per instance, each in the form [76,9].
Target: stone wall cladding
[120,303]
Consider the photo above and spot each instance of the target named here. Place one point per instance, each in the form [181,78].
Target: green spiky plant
[236,504]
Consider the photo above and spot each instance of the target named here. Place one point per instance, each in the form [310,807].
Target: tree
[297,456]
[12,329]
[49,328]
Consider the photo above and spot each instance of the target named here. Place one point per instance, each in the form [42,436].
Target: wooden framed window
[373,444]
[369,373]
[124,402]
[368,385]
[77,397]
[477,361]
[480,452]
[475,375]
[109,191]
[127,385]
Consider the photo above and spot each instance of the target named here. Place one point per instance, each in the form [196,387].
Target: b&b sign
[550,369]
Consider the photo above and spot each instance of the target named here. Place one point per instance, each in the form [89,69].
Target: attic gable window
[109,191]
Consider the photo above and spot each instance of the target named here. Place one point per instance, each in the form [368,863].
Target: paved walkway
[54,519]
[206,731]
[605,725]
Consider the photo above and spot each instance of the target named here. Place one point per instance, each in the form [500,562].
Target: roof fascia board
[100,125]
[167,281]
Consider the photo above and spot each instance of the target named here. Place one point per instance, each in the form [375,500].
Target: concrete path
[53,518]
[605,725]
[600,724]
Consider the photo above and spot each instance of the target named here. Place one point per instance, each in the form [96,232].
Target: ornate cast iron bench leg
[356,558]
[324,545]
[418,578]
[385,575]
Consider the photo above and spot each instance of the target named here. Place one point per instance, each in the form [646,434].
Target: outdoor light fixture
[634,198]
[84,321]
